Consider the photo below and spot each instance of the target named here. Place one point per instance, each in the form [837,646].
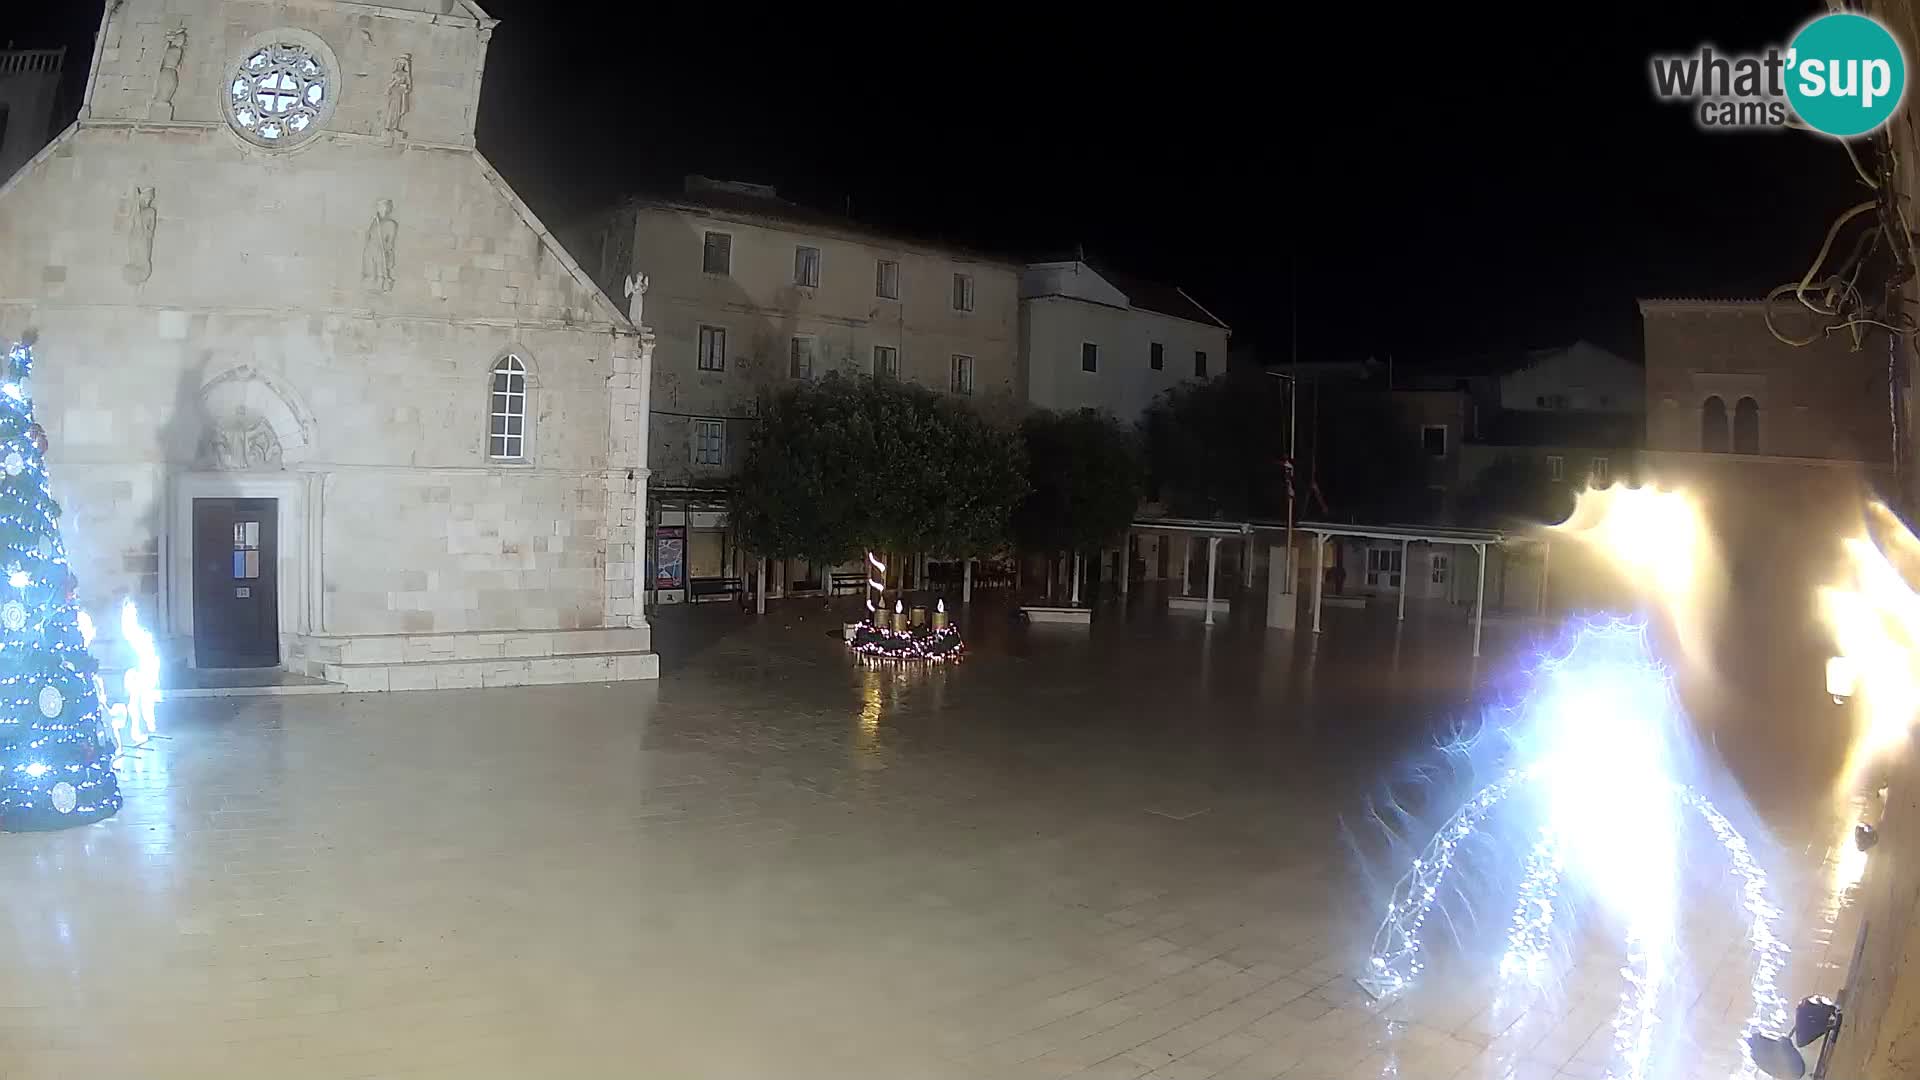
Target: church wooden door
[236,611]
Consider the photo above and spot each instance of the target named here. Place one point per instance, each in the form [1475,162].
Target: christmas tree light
[56,748]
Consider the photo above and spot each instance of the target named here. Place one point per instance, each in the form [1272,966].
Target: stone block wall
[417,553]
[365,43]
[761,310]
[257,292]
[1827,400]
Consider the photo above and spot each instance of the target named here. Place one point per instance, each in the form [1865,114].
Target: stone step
[515,671]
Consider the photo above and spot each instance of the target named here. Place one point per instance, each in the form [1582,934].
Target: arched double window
[507,420]
[1713,426]
[1746,426]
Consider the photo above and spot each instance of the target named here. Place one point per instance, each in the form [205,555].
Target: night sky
[1450,188]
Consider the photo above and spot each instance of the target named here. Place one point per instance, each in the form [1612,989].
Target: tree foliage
[851,464]
[1371,466]
[1517,489]
[1215,449]
[1085,477]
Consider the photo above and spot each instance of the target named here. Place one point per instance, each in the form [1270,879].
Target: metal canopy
[1193,525]
[1477,539]
[1213,532]
[1430,534]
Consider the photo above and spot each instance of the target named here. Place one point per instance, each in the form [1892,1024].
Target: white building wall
[405,542]
[1124,384]
[1584,376]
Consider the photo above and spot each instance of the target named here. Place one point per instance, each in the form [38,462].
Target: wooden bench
[724,586]
[849,582]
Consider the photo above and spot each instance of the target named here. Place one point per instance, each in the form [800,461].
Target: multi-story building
[1561,419]
[29,89]
[1719,382]
[748,292]
[1094,338]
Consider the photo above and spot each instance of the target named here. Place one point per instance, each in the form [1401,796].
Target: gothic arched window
[507,419]
[1746,426]
[1713,426]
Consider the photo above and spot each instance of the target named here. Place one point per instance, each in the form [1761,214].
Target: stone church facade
[319,388]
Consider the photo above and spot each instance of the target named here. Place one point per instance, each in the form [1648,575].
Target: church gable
[182,220]
[235,153]
[383,70]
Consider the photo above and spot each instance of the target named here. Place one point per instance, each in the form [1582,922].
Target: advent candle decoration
[900,635]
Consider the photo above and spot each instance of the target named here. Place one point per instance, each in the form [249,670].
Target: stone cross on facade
[636,292]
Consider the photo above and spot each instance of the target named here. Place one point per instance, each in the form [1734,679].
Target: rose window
[279,95]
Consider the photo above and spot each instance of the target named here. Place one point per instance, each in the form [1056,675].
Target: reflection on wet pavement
[1130,853]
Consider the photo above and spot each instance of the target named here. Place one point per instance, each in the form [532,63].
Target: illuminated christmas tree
[56,745]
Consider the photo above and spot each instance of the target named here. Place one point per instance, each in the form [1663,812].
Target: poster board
[669,567]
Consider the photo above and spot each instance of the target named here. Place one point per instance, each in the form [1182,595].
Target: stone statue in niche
[167,83]
[399,96]
[141,221]
[636,290]
[243,441]
[376,258]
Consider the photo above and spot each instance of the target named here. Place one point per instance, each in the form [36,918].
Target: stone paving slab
[776,862]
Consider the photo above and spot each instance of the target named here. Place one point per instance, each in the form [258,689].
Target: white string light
[58,764]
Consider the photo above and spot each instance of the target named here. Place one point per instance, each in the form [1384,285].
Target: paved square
[1119,856]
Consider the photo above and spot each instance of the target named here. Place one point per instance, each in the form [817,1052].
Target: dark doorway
[236,610]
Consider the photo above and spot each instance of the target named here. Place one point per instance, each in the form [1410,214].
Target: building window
[1433,439]
[507,426]
[1383,567]
[1089,356]
[806,266]
[1602,472]
[1442,562]
[1199,364]
[800,358]
[710,442]
[279,93]
[886,362]
[963,292]
[713,348]
[1156,356]
[246,550]
[1713,426]
[1746,426]
[716,254]
[962,374]
[886,279]
[1556,468]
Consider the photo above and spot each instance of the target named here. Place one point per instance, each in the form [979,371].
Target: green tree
[1085,477]
[851,464]
[1215,449]
[1516,489]
[1371,465]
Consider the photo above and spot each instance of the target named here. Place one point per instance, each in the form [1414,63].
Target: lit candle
[899,615]
[939,615]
